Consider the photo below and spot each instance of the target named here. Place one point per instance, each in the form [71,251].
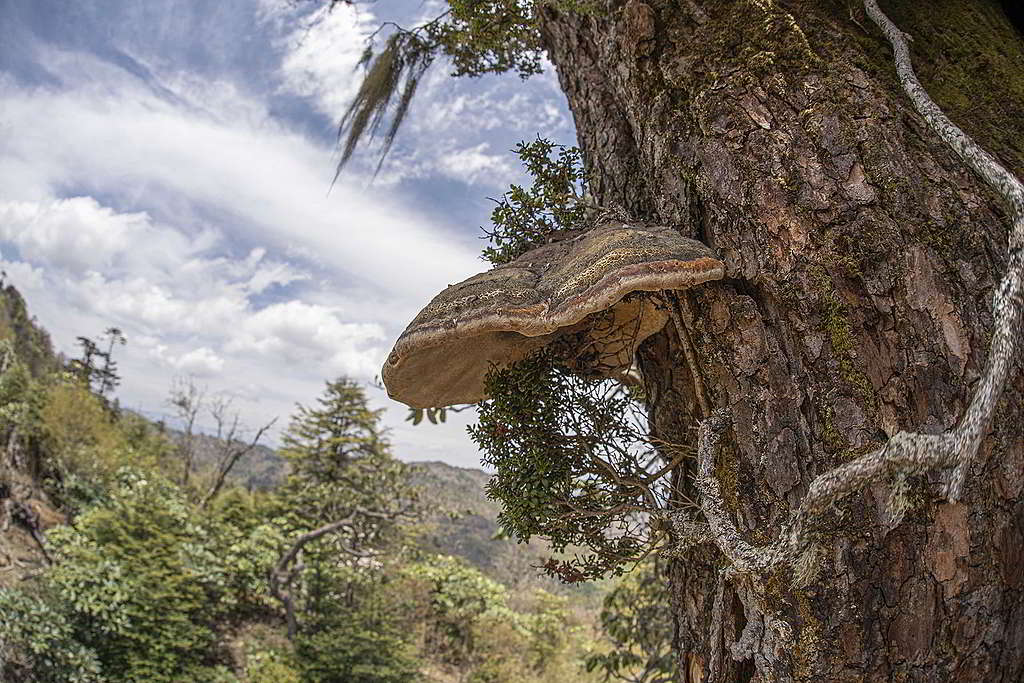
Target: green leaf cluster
[21,402]
[489,36]
[140,581]
[481,632]
[637,620]
[362,640]
[571,463]
[38,642]
[525,218]
[57,430]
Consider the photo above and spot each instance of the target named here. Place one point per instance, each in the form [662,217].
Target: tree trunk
[861,256]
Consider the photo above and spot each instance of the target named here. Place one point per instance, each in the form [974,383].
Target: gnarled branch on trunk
[905,452]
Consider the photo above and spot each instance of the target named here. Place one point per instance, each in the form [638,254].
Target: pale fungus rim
[499,326]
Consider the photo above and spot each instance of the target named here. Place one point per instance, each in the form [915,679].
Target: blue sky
[165,167]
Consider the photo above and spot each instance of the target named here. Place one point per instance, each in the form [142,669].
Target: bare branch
[281,577]
[232,451]
[187,400]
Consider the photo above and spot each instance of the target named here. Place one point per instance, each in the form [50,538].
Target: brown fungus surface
[575,291]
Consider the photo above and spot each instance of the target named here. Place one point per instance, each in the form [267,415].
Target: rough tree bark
[862,256]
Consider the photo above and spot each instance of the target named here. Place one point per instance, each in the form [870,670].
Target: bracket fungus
[579,291]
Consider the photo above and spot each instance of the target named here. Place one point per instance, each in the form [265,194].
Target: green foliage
[473,630]
[147,586]
[459,597]
[322,443]
[30,342]
[525,218]
[82,443]
[86,445]
[489,36]
[38,644]
[637,619]
[571,463]
[341,465]
[357,647]
[20,403]
[342,478]
[141,589]
[355,626]
[246,544]
[139,585]
[271,665]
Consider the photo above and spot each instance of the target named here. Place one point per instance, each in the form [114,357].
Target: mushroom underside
[589,294]
[603,344]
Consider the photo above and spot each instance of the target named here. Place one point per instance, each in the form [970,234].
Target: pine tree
[342,503]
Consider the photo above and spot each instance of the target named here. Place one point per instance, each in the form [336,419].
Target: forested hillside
[123,559]
[459,519]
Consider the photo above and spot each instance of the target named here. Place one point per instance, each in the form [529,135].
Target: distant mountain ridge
[260,470]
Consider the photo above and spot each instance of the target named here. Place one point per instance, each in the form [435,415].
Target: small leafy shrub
[357,648]
[572,464]
[38,642]
[139,587]
[637,619]
[527,217]
[459,597]
[271,666]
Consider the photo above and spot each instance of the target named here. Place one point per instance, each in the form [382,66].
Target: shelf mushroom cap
[578,287]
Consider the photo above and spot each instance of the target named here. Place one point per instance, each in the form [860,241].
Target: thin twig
[674,304]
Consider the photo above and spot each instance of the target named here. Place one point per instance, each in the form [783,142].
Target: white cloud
[322,56]
[75,234]
[156,281]
[24,275]
[297,331]
[189,212]
[474,163]
[216,248]
[448,116]
[268,275]
[201,362]
[270,180]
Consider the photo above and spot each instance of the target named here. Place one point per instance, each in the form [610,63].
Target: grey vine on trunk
[862,342]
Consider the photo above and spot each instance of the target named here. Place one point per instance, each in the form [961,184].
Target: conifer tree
[342,502]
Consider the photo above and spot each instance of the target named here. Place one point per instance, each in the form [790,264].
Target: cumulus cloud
[74,234]
[473,163]
[191,209]
[77,238]
[201,362]
[157,281]
[297,331]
